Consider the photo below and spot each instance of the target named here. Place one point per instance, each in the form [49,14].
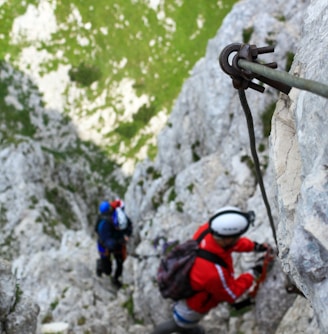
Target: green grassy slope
[104,42]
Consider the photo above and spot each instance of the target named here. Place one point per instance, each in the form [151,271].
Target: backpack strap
[202,235]
[204,254]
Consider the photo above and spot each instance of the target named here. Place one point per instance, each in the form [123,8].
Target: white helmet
[230,222]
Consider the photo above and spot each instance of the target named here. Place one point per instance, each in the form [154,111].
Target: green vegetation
[290,58]
[107,41]
[261,147]
[98,160]
[168,189]
[240,312]
[47,318]
[265,162]
[18,296]
[247,34]
[153,173]
[271,38]
[249,162]
[64,292]
[81,321]
[172,195]
[179,206]
[281,18]
[156,201]
[84,74]
[171,181]
[129,306]
[63,206]
[9,247]
[195,156]
[16,117]
[266,119]
[3,217]
[54,304]
[100,44]
[190,187]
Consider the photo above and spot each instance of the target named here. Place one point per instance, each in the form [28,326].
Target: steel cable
[286,78]
[243,69]
[250,125]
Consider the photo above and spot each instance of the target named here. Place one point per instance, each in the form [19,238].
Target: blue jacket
[109,236]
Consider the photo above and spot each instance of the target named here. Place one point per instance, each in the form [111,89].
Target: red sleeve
[229,289]
[218,285]
[244,245]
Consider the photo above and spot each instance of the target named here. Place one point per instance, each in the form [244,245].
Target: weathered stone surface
[299,319]
[201,166]
[23,319]
[205,124]
[7,289]
[299,154]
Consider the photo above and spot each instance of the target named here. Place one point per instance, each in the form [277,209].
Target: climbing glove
[260,247]
[257,271]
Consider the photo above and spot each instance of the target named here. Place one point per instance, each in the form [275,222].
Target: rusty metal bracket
[241,77]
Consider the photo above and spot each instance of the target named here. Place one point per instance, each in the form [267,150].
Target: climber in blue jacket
[113,228]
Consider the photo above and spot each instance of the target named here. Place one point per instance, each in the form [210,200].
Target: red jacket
[217,284]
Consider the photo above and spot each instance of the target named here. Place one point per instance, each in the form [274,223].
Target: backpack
[119,219]
[100,219]
[173,271]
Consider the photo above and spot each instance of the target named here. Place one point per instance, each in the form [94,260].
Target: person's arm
[129,229]
[244,245]
[261,247]
[225,287]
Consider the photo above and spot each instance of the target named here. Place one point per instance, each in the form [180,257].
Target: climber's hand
[256,271]
[261,247]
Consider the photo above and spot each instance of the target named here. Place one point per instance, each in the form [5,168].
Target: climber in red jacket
[215,283]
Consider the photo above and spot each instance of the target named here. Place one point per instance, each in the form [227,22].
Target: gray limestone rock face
[18,313]
[7,289]
[300,156]
[202,148]
[24,318]
[201,165]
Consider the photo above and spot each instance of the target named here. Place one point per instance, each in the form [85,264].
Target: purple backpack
[173,272]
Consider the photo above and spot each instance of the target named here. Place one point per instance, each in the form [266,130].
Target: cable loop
[243,69]
[242,76]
